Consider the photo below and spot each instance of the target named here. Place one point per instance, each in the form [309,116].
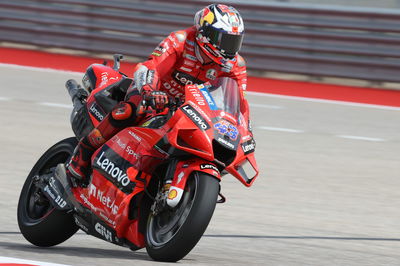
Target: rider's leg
[123,115]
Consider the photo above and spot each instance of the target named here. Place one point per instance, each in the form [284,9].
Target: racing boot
[77,169]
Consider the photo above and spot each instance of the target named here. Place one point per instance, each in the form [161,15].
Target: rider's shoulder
[240,62]
[181,36]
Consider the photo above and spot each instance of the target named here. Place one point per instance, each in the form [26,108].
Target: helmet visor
[228,44]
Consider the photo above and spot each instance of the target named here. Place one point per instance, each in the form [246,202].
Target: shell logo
[172,194]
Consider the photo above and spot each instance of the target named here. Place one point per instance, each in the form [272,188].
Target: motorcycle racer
[196,55]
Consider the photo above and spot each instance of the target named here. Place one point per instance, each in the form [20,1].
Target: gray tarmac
[328,192]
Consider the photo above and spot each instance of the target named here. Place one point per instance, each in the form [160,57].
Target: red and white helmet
[220,31]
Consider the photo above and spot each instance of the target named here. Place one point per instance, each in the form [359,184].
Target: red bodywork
[124,165]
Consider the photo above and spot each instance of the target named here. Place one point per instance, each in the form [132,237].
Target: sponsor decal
[185,79]
[197,96]
[246,138]
[185,69]
[172,194]
[104,78]
[150,77]
[113,167]
[58,199]
[198,109]
[134,136]
[208,166]
[161,49]
[81,225]
[171,90]
[226,143]
[211,74]
[113,170]
[88,203]
[191,43]
[124,146]
[49,192]
[108,202]
[195,117]
[248,146]
[190,57]
[209,99]
[99,115]
[180,176]
[102,230]
[189,63]
[227,67]
[189,48]
[225,128]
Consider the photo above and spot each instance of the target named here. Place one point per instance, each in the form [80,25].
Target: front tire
[172,234]
[40,223]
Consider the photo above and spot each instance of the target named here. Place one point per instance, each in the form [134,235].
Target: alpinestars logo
[195,117]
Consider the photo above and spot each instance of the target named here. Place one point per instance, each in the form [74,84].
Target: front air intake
[223,154]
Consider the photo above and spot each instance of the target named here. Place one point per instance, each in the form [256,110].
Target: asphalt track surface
[328,192]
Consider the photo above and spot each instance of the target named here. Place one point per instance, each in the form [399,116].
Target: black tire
[171,235]
[39,222]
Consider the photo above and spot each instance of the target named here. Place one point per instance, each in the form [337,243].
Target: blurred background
[328,190]
[348,42]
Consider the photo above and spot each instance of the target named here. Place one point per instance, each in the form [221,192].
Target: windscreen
[225,93]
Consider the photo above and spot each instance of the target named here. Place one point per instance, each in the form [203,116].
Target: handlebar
[173,103]
[77,93]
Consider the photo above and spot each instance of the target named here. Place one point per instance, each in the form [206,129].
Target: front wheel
[40,223]
[173,233]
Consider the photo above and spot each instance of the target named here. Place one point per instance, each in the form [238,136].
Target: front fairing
[210,125]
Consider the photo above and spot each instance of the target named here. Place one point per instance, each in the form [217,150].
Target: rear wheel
[172,233]
[40,223]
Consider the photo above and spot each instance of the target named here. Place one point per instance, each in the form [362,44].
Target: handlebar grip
[72,87]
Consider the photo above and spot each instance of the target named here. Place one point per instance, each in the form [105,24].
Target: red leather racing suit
[172,65]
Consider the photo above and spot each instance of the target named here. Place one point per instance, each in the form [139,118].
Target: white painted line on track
[4,99]
[15,261]
[361,138]
[281,129]
[40,69]
[60,105]
[297,98]
[268,106]
[383,107]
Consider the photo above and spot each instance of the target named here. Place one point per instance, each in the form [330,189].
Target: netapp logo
[113,170]
[96,113]
[195,117]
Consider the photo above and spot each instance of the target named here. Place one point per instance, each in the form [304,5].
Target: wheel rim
[37,207]
[164,226]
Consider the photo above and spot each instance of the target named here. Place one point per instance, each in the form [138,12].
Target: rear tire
[171,235]
[40,223]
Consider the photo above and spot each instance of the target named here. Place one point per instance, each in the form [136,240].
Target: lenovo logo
[195,117]
[114,171]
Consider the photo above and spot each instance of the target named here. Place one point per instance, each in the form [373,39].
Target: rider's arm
[239,73]
[161,60]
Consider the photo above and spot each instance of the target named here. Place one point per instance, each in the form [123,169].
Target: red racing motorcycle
[155,185]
